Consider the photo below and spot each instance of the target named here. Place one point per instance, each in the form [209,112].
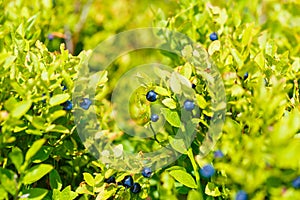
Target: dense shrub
[256,47]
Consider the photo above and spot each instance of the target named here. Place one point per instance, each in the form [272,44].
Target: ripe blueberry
[218,154]
[86,103]
[154,117]
[296,182]
[151,96]
[189,105]
[193,86]
[241,195]
[213,36]
[64,87]
[68,105]
[207,171]
[110,180]
[246,75]
[127,181]
[146,172]
[136,188]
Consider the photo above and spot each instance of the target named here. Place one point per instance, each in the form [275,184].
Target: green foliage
[41,154]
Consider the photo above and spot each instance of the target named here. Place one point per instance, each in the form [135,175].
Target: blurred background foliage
[44,43]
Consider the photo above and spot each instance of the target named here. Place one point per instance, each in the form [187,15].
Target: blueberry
[68,105]
[136,188]
[193,86]
[154,117]
[127,181]
[151,96]
[64,87]
[246,75]
[189,105]
[218,154]
[241,195]
[208,118]
[110,180]
[50,36]
[207,171]
[213,36]
[146,172]
[86,103]
[296,182]
[44,100]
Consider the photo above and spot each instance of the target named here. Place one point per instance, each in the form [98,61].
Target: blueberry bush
[255,46]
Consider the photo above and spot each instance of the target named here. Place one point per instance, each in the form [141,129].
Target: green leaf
[280,135]
[193,195]
[39,123]
[34,149]
[178,145]
[34,194]
[213,47]
[55,115]
[212,190]
[184,178]
[169,102]
[58,129]
[3,193]
[201,101]
[237,57]
[247,34]
[88,178]
[59,99]
[55,181]
[42,154]
[21,108]
[67,193]
[187,51]
[161,91]
[36,173]
[16,157]
[8,180]
[9,61]
[171,116]
[175,83]
[187,70]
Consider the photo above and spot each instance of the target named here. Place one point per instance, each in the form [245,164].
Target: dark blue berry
[207,171]
[246,75]
[110,180]
[218,154]
[64,87]
[189,105]
[154,117]
[213,36]
[136,188]
[193,86]
[68,105]
[241,195]
[296,182]
[44,100]
[151,96]
[86,103]
[208,118]
[146,172]
[127,181]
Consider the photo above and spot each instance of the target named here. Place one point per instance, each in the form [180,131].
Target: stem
[195,167]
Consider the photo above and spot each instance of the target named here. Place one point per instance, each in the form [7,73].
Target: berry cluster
[151,96]
[128,182]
